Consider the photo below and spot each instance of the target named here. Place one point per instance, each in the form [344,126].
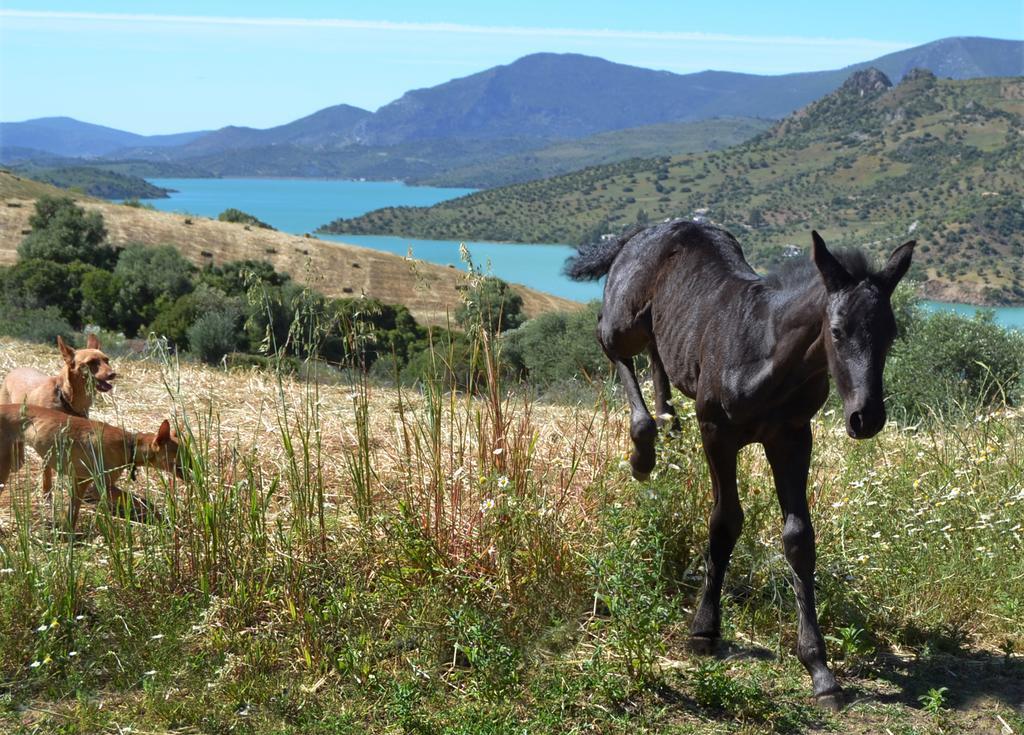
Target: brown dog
[68,391]
[87,449]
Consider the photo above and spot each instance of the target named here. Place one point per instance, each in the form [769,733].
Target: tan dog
[89,450]
[68,391]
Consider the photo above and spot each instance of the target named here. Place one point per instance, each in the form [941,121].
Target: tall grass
[380,558]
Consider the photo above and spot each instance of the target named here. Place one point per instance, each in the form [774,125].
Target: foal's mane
[798,272]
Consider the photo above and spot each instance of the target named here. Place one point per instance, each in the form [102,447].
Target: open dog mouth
[103,386]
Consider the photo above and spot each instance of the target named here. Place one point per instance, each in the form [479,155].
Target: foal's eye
[837,333]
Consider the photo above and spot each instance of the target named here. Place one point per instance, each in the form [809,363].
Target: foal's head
[859,328]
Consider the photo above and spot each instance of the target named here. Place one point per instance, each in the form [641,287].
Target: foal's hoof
[703,645]
[667,420]
[641,465]
[831,701]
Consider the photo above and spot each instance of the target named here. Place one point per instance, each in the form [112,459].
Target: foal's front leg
[642,429]
[724,528]
[789,453]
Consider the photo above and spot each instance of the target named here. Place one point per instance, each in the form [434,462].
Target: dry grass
[242,411]
[431,292]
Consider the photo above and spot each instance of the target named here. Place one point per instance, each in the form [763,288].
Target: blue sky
[160,67]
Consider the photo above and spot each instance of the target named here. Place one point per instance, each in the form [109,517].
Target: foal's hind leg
[664,413]
[642,429]
[724,528]
[789,453]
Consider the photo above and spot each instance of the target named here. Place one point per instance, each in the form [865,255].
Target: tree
[147,275]
[38,283]
[235,277]
[492,305]
[101,303]
[63,232]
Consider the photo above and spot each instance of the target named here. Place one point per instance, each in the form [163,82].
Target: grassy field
[431,292]
[352,558]
[938,160]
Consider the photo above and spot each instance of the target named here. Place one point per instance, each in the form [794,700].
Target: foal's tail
[593,260]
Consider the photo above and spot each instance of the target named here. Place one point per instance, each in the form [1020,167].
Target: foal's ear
[832,272]
[92,342]
[897,266]
[66,352]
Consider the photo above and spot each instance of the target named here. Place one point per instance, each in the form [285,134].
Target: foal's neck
[798,323]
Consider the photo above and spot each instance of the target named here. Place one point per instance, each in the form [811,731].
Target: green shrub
[243,218]
[35,325]
[213,336]
[491,304]
[556,346]
[36,284]
[946,362]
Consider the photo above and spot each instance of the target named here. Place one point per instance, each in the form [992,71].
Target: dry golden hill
[431,292]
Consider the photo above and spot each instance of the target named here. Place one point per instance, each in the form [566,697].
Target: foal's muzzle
[866,421]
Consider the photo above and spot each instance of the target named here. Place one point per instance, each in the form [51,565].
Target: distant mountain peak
[917,74]
[865,83]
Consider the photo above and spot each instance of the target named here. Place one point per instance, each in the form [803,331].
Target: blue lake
[301,205]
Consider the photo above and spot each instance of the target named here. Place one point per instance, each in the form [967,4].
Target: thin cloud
[459,28]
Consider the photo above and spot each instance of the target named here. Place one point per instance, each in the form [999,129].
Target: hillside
[96,182]
[617,145]
[867,164]
[429,291]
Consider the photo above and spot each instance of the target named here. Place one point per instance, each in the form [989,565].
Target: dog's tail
[593,260]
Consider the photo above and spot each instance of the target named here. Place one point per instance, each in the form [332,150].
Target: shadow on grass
[968,677]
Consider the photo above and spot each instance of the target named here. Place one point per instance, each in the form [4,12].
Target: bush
[556,346]
[243,218]
[213,336]
[491,304]
[63,232]
[947,362]
[34,325]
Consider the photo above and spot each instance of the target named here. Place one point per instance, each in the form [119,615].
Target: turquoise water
[302,205]
[295,205]
[1008,316]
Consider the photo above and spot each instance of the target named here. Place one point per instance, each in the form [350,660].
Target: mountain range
[454,132]
[870,164]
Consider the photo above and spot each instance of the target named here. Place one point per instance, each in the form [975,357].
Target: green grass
[939,153]
[375,560]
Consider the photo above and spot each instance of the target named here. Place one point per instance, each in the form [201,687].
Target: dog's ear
[92,342]
[163,434]
[66,352]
